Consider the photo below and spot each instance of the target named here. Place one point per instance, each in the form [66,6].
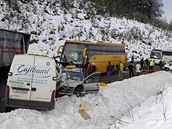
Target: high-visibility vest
[121,66]
[152,63]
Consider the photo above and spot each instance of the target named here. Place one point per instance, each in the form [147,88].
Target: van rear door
[44,79]
[20,77]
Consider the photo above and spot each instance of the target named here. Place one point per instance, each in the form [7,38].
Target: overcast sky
[167,10]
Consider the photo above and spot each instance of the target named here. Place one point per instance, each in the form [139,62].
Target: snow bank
[154,113]
[104,108]
[129,93]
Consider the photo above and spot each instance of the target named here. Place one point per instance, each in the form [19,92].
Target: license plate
[20,91]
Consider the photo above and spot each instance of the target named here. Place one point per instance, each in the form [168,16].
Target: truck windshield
[167,56]
[72,53]
[156,54]
[167,53]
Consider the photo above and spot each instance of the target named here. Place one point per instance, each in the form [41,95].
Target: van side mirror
[10,73]
[86,81]
[54,78]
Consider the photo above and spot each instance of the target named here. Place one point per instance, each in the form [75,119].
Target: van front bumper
[39,105]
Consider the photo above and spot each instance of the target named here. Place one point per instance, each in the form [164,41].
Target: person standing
[146,65]
[89,68]
[132,59]
[141,63]
[161,64]
[121,69]
[118,71]
[151,66]
[93,68]
[109,70]
[138,67]
[131,69]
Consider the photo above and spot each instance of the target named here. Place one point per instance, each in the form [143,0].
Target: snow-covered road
[105,108]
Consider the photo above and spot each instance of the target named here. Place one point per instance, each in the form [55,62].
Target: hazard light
[70,66]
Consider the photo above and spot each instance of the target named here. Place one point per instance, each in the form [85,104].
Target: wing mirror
[10,74]
[86,81]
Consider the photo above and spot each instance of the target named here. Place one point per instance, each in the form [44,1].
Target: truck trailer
[11,43]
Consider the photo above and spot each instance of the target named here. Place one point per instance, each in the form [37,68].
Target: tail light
[7,92]
[53,95]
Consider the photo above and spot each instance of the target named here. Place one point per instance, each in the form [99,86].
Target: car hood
[73,83]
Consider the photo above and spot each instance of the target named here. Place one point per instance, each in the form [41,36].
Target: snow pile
[105,108]
[154,113]
[133,91]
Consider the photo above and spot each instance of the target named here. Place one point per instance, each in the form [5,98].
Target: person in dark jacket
[132,59]
[93,68]
[141,63]
[109,70]
[89,69]
[131,69]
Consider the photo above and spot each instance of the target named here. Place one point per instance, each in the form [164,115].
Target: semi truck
[11,43]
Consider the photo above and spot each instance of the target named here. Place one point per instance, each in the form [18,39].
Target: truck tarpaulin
[10,44]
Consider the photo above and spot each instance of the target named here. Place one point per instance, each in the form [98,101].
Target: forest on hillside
[146,11]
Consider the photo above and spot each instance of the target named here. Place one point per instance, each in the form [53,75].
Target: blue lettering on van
[38,72]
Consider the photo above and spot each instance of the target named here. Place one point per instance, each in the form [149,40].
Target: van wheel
[78,90]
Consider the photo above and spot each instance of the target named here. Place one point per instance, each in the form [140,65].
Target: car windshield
[74,75]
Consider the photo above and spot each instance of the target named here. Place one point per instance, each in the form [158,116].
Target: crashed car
[168,66]
[72,82]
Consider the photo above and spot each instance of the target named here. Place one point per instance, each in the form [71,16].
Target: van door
[44,79]
[20,77]
[92,82]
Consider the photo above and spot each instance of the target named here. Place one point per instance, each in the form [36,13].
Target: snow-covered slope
[50,24]
[105,108]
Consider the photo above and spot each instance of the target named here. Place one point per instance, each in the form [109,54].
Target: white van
[31,82]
